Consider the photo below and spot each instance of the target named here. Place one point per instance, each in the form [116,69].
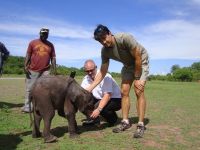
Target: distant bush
[180,74]
[15,65]
[183,74]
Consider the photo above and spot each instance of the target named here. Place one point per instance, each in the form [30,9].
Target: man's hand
[139,86]
[27,72]
[95,113]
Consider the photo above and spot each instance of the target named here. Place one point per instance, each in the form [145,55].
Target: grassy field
[172,121]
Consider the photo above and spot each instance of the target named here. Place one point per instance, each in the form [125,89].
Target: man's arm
[101,74]
[135,52]
[103,102]
[4,50]
[138,84]
[27,62]
[53,62]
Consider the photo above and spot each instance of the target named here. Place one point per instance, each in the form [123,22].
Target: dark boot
[90,122]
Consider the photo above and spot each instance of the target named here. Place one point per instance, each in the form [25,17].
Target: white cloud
[16,45]
[32,25]
[168,39]
[72,50]
[178,13]
[172,39]
[71,41]
[196,1]
[66,50]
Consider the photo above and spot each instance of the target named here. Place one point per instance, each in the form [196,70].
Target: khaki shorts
[127,72]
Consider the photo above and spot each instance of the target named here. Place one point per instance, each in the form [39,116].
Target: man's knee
[140,95]
[110,116]
[125,93]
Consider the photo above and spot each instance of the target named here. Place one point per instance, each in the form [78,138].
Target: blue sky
[169,30]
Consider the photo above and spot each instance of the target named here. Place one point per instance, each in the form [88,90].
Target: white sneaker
[26,110]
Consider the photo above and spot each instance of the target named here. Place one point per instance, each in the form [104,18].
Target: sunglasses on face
[91,70]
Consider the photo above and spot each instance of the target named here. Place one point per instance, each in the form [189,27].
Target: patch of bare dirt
[151,143]
[93,134]
[169,133]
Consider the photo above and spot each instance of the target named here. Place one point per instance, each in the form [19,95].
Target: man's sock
[141,123]
[125,120]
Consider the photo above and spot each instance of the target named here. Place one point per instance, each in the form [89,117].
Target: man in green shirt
[124,48]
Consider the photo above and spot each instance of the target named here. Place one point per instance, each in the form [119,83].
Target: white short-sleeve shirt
[107,85]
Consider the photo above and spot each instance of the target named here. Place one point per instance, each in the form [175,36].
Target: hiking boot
[90,122]
[139,131]
[122,127]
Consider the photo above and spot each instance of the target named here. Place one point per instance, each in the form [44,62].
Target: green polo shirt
[121,50]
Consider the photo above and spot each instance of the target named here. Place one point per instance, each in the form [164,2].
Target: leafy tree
[157,77]
[174,68]
[196,66]
[183,74]
[15,65]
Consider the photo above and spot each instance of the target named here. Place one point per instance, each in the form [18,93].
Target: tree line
[187,74]
[15,65]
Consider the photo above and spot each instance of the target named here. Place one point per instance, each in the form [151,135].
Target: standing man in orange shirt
[39,54]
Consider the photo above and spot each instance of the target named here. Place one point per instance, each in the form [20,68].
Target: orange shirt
[41,54]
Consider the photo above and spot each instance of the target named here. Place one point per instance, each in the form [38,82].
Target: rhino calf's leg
[70,112]
[48,137]
[36,128]
[72,125]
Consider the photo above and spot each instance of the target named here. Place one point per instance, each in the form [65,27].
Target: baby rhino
[59,93]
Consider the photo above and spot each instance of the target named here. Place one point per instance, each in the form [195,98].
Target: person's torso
[124,43]
[41,53]
[107,85]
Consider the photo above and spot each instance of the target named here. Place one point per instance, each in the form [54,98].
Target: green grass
[172,111]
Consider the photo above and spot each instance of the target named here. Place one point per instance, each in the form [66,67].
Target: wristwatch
[99,109]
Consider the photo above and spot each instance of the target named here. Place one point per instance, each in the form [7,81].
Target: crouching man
[107,95]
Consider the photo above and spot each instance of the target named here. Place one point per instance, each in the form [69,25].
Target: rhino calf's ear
[72,74]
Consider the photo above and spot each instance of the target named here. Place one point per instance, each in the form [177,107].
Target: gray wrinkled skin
[59,93]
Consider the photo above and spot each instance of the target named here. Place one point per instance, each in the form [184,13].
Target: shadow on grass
[61,131]
[10,141]
[134,120]
[9,105]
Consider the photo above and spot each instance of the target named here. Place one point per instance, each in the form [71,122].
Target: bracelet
[99,109]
